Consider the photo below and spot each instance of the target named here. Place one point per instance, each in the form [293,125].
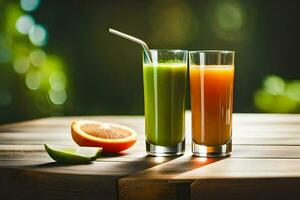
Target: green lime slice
[73,155]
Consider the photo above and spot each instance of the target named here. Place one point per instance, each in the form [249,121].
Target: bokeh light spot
[37,57]
[229,17]
[24,24]
[5,98]
[274,84]
[262,100]
[274,103]
[230,20]
[175,32]
[57,81]
[293,90]
[30,5]
[57,97]
[38,35]
[33,80]
[21,64]
[278,95]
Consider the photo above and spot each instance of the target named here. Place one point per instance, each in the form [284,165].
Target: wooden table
[265,164]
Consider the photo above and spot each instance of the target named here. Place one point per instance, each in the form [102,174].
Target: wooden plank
[147,190]
[246,178]
[33,138]
[264,128]
[254,151]
[262,118]
[25,184]
[279,141]
[151,190]
[246,189]
[245,168]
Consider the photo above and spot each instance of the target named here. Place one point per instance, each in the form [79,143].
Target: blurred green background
[57,57]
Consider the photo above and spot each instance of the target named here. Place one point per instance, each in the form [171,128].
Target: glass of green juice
[164,97]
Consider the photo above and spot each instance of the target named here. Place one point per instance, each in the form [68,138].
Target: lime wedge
[73,155]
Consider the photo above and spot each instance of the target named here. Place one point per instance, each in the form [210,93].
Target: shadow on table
[56,164]
[176,166]
[143,165]
[115,161]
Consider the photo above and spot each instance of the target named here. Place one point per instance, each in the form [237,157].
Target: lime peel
[73,155]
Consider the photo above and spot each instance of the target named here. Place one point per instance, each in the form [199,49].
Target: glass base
[212,151]
[156,150]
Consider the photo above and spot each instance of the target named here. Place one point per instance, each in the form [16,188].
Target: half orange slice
[112,138]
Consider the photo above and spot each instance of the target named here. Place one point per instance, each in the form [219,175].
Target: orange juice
[211,103]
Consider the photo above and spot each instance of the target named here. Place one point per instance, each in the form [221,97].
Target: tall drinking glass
[211,87]
[164,95]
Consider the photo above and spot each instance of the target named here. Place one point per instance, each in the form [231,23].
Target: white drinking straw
[133,39]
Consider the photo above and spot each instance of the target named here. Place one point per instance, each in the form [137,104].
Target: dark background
[104,72]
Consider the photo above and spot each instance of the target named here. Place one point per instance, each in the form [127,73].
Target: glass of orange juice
[211,88]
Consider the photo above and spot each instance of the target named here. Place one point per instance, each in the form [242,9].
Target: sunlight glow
[159,159]
[201,159]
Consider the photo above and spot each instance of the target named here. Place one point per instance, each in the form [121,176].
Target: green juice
[164,95]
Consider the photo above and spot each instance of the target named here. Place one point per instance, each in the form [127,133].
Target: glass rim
[171,50]
[213,51]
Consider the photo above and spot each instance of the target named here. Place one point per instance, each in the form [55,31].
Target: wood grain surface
[265,164]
